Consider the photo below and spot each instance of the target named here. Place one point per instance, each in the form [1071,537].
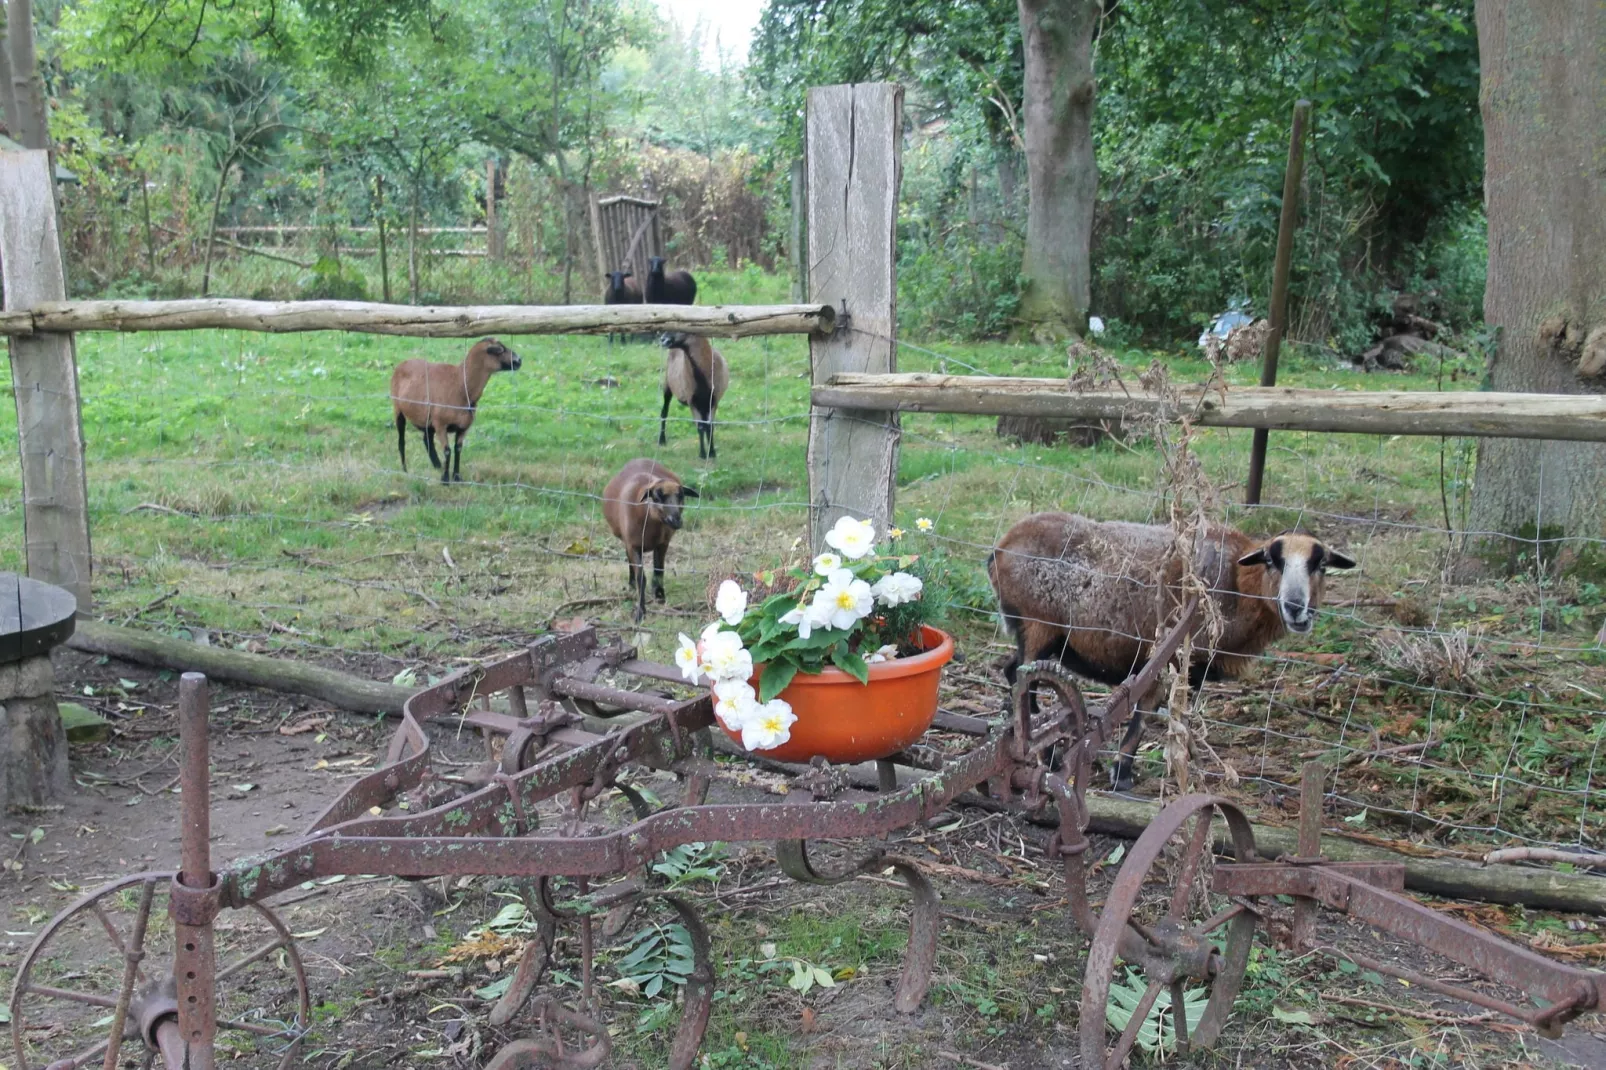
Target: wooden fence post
[854,161]
[44,375]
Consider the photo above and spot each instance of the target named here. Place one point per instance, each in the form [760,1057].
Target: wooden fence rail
[1571,417]
[458,321]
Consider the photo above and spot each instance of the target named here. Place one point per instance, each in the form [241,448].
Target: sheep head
[1296,562]
[497,356]
[664,498]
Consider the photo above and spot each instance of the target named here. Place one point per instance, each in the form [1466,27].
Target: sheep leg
[457,458]
[658,571]
[428,433]
[663,418]
[401,439]
[1122,777]
[638,584]
[711,452]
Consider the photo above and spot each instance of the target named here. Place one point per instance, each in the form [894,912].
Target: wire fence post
[854,162]
[44,377]
[1279,288]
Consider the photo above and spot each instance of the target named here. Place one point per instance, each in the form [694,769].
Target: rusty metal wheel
[98,979]
[1162,920]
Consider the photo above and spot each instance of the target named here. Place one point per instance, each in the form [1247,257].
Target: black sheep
[675,288]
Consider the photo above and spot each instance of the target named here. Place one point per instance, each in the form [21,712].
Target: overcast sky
[731,20]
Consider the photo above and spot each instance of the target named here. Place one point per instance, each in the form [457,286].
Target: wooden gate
[627,235]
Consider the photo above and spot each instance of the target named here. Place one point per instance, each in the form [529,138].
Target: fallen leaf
[311,724]
[808,1021]
[1292,1017]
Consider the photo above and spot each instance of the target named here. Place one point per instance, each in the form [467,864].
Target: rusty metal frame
[1372,892]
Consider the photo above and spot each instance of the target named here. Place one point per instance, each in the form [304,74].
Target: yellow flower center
[771,724]
[845,600]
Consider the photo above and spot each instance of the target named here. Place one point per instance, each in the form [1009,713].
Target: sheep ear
[496,349]
[689,492]
[1257,557]
[1340,560]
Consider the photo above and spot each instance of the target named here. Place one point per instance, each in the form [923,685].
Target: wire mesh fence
[245,489]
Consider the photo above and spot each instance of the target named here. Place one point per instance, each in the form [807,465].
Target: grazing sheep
[642,505]
[1087,593]
[695,374]
[675,288]
[441,398]
[620,292]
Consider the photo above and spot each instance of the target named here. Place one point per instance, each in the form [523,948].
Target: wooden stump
[34,617]
[33,745]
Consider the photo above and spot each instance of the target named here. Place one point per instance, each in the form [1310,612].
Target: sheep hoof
[658,595]
[1122,780]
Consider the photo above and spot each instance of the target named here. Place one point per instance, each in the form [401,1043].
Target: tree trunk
[8,99]
[412,245]
[1544,115]
[384,249]
[27,85]
[493,233]
[211,228]
[145,217]
[1062,175]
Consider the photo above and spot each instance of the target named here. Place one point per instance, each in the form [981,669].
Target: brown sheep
[1086,593]
[441,398]
[696,375]
[642,505]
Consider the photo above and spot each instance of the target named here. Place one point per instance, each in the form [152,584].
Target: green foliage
[656,956]
[328,280]
[690,863]
[1157,1033]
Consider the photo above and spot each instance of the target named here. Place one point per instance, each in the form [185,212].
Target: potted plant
[841,661]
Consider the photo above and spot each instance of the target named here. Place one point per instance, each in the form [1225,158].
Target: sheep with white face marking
[695,374]
[441,399]
[1092,595]
[642,505]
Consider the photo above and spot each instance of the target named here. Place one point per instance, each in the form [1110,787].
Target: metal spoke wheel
[99,978]
[1173,934]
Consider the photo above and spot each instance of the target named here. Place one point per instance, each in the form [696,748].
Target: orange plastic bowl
[843,721]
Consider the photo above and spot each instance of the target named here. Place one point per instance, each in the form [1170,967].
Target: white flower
[725,658]
[896,588]
[886,653]
[735,703]
[807,618]
[711,631]
[844,600]
[923,523]
[826,564]
[731,602]
[768,726]
[894,533]
[686,659]
[854,538]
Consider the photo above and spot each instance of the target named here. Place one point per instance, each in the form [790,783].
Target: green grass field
[249,484]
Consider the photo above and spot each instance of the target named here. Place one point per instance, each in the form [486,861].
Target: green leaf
[495,989]
[777,674]
[851,663]
[1292,1017]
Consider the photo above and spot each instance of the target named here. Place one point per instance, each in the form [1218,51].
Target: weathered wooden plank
[854,167]
[419,321]
[1370,412]
[44,376]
